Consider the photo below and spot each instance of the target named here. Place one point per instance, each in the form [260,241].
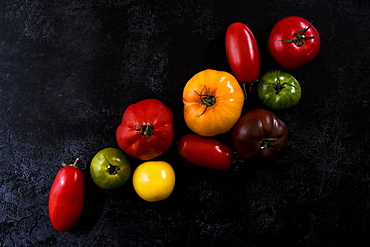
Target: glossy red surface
[66,199]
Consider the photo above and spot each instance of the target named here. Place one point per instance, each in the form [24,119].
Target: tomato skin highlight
[260,133]
[289,54]
[205,151]
[135,140]
[66,198]
[242,53]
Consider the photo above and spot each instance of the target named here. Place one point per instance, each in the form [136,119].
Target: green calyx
[268,142]
[207,99]
[299,37]
[278,86]
[145,129]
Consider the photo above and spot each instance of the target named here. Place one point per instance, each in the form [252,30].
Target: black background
[69,69]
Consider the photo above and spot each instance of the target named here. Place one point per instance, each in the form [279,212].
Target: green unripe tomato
[279,90]
[110,168]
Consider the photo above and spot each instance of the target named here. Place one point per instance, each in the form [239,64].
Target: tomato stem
[145,129]
[236,160]
[299,37]
[278,85]
[76,163]
[249,89]
[268,142]
[208,100]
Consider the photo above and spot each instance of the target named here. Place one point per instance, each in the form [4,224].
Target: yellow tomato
[213,101]
[154,180]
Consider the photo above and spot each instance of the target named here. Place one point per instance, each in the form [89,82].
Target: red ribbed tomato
[146,130]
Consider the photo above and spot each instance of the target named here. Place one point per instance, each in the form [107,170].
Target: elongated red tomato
[205,151]
[66,198]
[242,53]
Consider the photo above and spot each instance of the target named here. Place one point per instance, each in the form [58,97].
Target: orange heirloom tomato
[213,101]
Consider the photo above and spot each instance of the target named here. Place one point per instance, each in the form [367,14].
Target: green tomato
[110,168]
[279,90]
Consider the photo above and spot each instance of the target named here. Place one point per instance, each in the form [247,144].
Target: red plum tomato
[204,151]
[242,53]
[66,198]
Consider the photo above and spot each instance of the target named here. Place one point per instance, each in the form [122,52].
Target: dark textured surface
[69,68]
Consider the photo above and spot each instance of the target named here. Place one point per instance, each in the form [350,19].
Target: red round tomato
[205,151]
[259,133]
[294,42]
[146,130]
[66,198]
[242,53]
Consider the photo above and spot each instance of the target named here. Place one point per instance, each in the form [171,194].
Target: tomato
[279,90]
[260,133]
[242,53]
[154,180]
[146,130]
[110,168]
[205,151]
[213,101]
[294,42]
[66,198]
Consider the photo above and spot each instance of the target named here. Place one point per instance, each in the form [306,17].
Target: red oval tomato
[294,42]
[205,151]
[242,53]
[146,130]
[66,198]
[259,133]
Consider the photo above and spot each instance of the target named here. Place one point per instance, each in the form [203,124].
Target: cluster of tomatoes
[213,102]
